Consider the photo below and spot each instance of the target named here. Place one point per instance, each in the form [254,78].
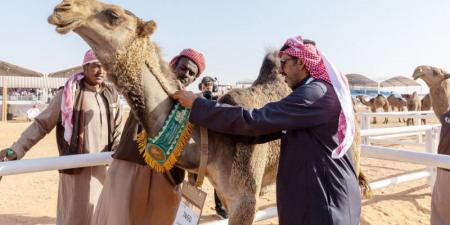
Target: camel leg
[374,121]
[242,210]
[246,177]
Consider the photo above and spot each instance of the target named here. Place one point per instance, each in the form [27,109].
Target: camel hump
[268,71]
[269,86]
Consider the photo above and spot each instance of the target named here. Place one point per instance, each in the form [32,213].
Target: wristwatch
[11,154]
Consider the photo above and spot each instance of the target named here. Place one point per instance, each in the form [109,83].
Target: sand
[30,199]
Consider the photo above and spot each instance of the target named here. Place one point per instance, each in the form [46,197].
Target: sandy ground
[30,199]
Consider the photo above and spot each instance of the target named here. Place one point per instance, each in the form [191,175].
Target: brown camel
[398,103]
[239,172]
[437,81]
[413,104]
[426,105]
[374,103]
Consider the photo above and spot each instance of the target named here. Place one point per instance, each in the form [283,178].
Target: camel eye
[112,16]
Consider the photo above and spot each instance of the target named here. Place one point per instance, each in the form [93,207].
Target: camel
[437,80]
[374,103]
[121,41]
[398,103]
[413,104]
[425,105]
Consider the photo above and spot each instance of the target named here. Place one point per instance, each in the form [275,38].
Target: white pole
[396,130]
[54,163]
[399,179]
[365,125]
[432,137]
[423,158]
[418,122]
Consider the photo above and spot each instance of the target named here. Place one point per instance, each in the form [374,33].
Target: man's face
[186,70]
[208,86]
[94,73]
[293,70]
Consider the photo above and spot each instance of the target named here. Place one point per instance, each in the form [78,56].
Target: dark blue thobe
[312,188]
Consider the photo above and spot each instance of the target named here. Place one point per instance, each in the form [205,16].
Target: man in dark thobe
[316,183]
[440,205]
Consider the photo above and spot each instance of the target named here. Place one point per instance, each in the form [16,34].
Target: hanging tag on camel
[191,205]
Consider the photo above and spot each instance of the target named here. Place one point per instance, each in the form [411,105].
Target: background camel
[425,105]
[374,103]
[437,81]
[397,102]
[414,103]
[238,171]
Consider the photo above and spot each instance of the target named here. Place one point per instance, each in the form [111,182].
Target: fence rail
[429,158]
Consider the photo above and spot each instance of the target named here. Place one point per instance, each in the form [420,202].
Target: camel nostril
[63,7]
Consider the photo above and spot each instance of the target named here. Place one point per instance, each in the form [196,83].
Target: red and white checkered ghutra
[322,69]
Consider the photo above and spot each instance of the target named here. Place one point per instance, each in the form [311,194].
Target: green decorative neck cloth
[162,152]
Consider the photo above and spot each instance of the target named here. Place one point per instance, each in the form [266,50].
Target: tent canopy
[358,80]
[8,69]
[66,73]
[399,81]
[31,82]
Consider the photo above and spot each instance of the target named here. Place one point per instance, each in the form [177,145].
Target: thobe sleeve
[118,126]
[257,139]
[42,125]
[301,109]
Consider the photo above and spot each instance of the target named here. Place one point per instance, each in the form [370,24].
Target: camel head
[432,76]
[108,29]
[121,43]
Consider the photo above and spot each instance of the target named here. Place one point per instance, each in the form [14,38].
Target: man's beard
[185,80]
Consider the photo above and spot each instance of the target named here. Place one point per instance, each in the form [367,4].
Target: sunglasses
[283,62]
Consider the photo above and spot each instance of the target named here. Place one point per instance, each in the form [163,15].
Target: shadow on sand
[400,196]
[23,219]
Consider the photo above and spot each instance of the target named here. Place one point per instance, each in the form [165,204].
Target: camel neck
[138,75]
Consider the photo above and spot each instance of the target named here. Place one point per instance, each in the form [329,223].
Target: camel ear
[146,29]
[436,71]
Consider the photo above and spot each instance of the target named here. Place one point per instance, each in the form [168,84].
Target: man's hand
[4,155]
[185,98]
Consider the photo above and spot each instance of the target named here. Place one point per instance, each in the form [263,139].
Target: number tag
[191,205]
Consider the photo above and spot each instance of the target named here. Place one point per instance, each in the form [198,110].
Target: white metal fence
[430,158]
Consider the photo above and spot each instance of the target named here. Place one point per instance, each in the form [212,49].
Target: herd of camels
[410,102]
[437,99]
[239,172]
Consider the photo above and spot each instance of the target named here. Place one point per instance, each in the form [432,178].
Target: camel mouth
[417,76]
[66,27]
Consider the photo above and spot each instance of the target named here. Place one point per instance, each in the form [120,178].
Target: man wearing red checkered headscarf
[316,182]
[133,191]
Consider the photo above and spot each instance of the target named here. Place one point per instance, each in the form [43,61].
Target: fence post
[365,124]
[418,122]
[431,147]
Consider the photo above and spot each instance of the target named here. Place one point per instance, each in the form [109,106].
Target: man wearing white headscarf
[316,181]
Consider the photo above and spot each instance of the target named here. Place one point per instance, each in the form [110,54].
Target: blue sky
[379,39]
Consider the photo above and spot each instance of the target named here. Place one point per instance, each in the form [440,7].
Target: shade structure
[360,81]
[399,81]
[9,69]
[66,73]
[31,82]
